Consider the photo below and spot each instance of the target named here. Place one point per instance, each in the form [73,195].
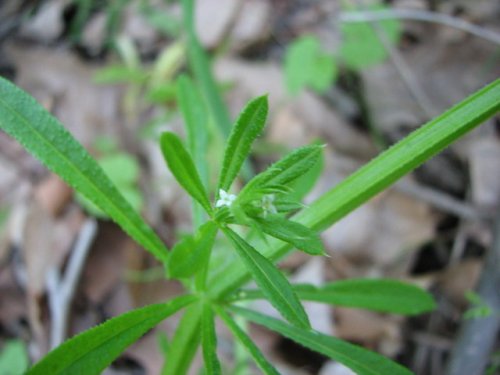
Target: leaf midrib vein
[78,172]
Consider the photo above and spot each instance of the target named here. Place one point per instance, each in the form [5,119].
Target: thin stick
[440,200]
[402,68]
[477,336]
[62,290]
[424,16]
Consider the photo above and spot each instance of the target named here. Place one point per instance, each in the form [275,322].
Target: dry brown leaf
[53,194]
[458,279]
[370,329]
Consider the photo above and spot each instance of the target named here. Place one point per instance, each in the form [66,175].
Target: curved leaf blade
[285,170]
[294,233]
[266,367]
[209,341]
[247,128]
[41,134]
[383,295]
[182,167]
[361,361]
[91,351]
[274,285]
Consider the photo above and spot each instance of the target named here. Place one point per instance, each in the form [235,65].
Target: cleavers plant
[262,222]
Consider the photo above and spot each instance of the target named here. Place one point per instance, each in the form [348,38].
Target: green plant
[123,171]
[307,66]
[13,358]
[256,222]
[479,308]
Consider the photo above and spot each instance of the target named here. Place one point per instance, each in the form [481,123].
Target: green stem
[376,176]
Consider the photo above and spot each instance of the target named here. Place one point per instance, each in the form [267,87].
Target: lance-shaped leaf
[182,167]
[202,70]
[274,285]
[41,134]
[361,361]
[247,128]
[195,118]
[254,351]
[302,185]
[294,233]
[192,253]
[382,295]
[90,352]
[209,341]
[284,171]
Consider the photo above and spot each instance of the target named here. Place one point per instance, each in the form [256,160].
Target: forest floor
[96,70]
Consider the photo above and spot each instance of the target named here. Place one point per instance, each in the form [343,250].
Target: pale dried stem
[62,289]
[424,16]
[402,68]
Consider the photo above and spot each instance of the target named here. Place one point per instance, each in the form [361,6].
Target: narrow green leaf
[91,351]
[200,64]
[266,367]
[119,74]
[182,167]
[383,295]
[294,233]
[196,120]
[184,343]
[361,361]
[246,129]
[302,185]
[123,171]
[272,282]
[195,117]
[23,118]
[284,171]
[191,254]
[377,175]
[209,341]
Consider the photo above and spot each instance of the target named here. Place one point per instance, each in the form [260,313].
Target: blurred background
[356,75]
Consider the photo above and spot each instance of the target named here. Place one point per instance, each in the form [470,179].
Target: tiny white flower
[267,205]
[225,199]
